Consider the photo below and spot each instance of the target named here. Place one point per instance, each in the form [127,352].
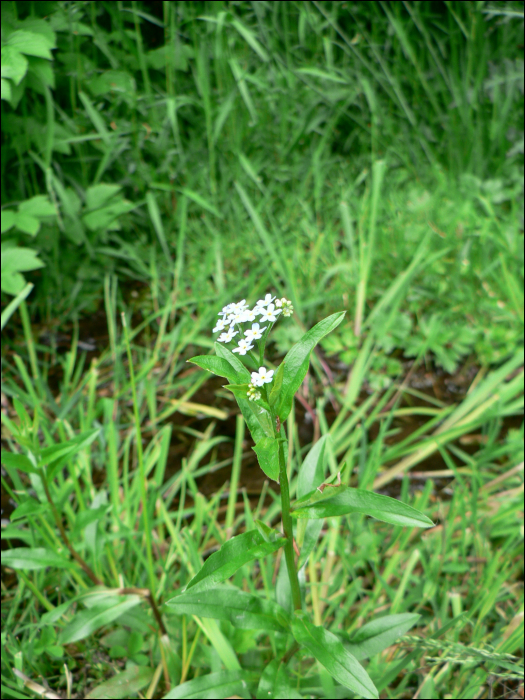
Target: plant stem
[288,530]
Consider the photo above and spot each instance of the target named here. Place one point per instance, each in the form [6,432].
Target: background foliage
[163,159]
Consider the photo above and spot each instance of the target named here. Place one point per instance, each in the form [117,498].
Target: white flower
[221,325]
[267,300]
[228,336]
[243,347]
[251,314]
[263,376]
[235,317]
[254,333]
[270,314]
[225,310]
[239,306]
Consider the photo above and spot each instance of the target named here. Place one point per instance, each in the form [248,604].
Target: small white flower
[270,314]
[221,325]
[243,347]
[225,310]
[263,376]
[251,314]
[239,306]
[228,336]
[235,317]
[254,333]
[267,300]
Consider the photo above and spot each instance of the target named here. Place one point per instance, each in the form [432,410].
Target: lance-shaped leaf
[18,461]
[242,609]
[298,359]
[34,558]
[379,634]
[85,622]
[341,500]
[243,375]
[311,475]
[328,649]
[216,365]
[267,451]
[258,419]
[233,554]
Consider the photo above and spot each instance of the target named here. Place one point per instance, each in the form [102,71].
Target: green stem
[288,530]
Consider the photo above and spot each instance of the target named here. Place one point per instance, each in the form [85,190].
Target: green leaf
[8,219]
[222,684]
[98,195]
[233,554]
[14,64]
[238,390]
[32,558]
[277,384]
[201,201]
[328,649]
[379,634]
[266,532]
[267,451]
[19,260]
[257,419]
[298,359]
[349,500]
[38,206]
[243,610]
[31,43]
[243,375]
[18,461]
[88,621]
[311,473]
[216,365]
[27,223]
[7,92]
[317,73]
[124,684]
[250,38]
[29,507]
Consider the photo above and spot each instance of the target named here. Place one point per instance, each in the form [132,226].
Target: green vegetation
[365,157]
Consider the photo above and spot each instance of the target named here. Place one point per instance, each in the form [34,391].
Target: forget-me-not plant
[266,397]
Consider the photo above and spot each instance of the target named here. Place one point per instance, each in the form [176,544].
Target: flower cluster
[285,305]
[232,315]
[253,393]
